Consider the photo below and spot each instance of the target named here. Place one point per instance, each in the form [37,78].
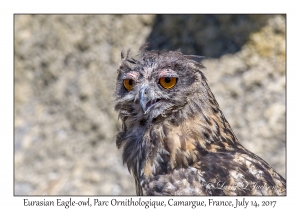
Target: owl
[174,137]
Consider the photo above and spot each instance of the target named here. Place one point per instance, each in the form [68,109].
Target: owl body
[175,138]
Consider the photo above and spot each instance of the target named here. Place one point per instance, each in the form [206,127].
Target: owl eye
[129,84]
[168,82]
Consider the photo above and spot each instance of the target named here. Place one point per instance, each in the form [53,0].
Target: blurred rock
[65,73]
[208,35]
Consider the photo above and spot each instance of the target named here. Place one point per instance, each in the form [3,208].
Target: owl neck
[182,139]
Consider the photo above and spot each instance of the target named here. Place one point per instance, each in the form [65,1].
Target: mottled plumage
[175,139]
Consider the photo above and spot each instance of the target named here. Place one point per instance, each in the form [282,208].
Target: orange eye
[129,84]
[168,82]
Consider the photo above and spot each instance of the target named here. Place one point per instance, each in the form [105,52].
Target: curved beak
[143,98]
[146,101]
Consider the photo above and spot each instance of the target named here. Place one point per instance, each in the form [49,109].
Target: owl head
[156,84]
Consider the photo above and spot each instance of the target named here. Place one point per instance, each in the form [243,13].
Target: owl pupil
[167,79]
[130,82]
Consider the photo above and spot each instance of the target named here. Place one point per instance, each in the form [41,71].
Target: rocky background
[65,73]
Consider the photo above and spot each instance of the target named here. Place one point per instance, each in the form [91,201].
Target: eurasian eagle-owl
[175,138]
